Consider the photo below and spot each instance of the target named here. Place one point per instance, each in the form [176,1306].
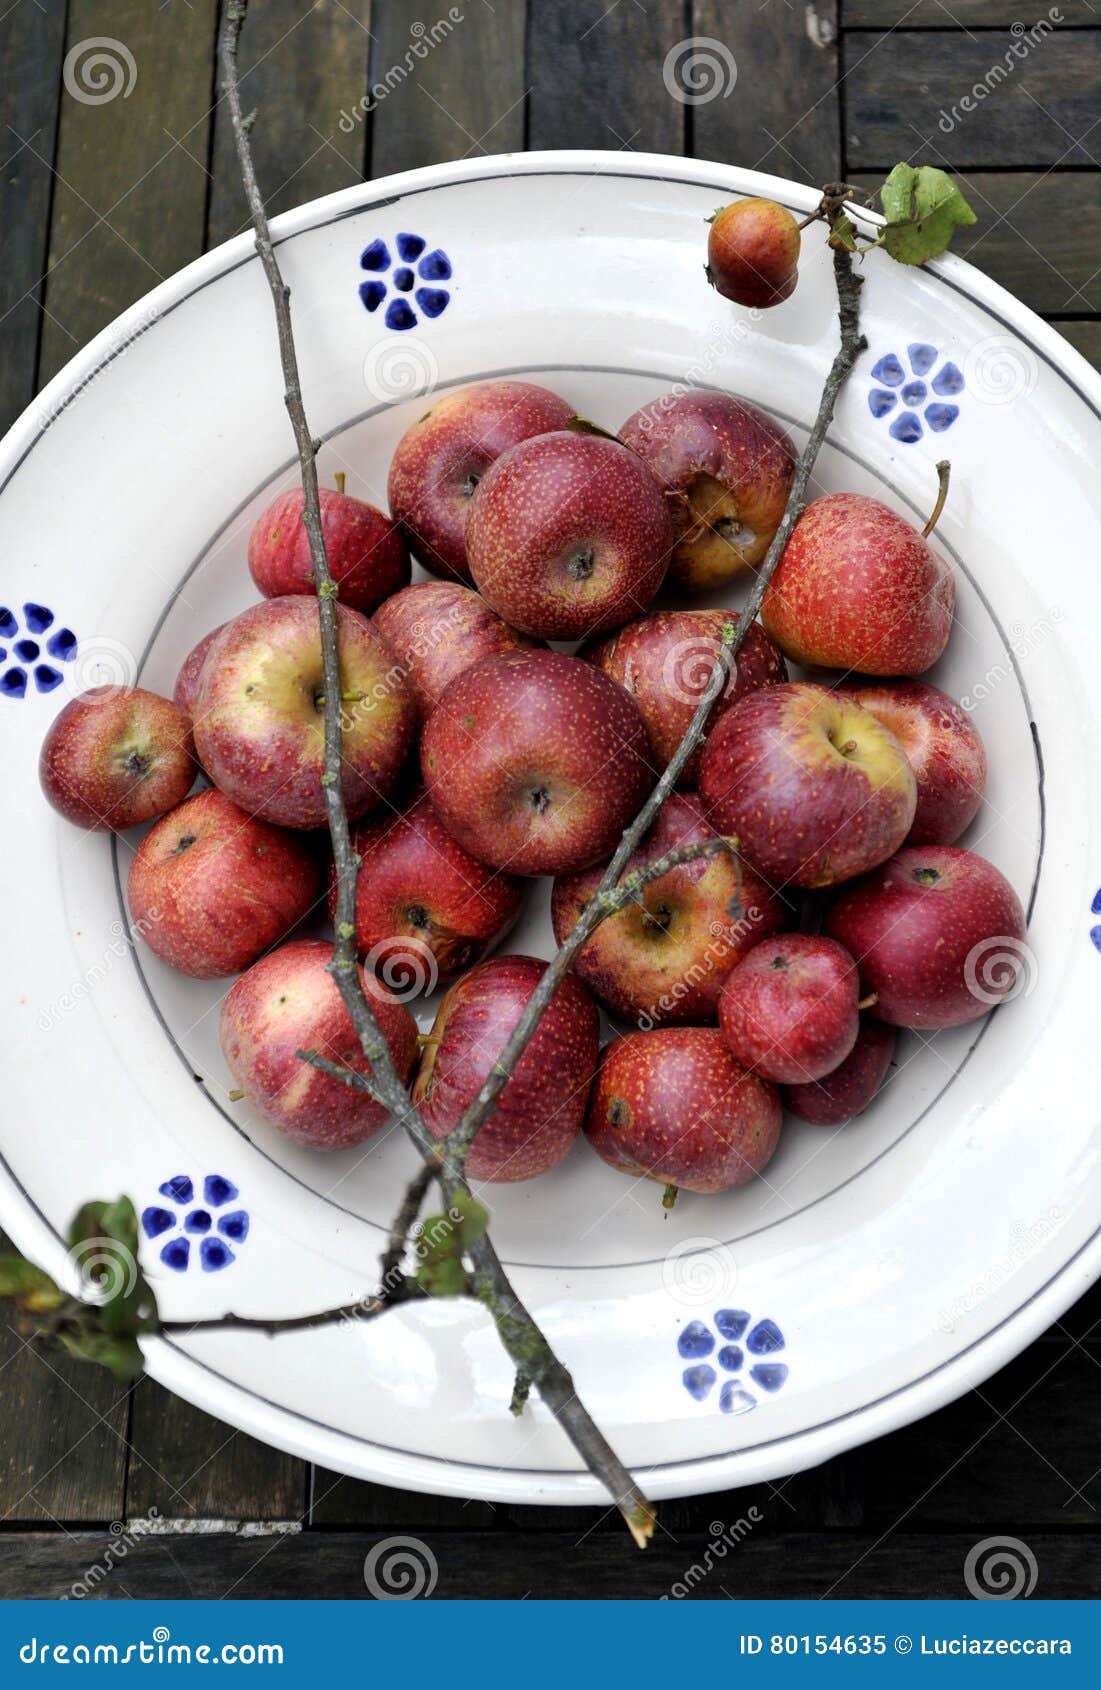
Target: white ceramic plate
[899,1260]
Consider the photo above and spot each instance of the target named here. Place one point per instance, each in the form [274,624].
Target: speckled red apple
[210,888]
[536,762]
[753,253]
[568,535]
[676,1107]
[665,661]
[943,747]
[186,689]
[726,469]
[442,457]
[938,934]
[542,1106]
[260,721]
[367,556]
[662,961]
[852,1085]
[436,629]
[116,757]
[859,588]
[814,789]
[288,1002]
[789,1009]
[425,908]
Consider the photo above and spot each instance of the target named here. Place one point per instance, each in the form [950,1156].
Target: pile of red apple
[477,758]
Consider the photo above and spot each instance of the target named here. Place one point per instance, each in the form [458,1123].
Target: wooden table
[98,203]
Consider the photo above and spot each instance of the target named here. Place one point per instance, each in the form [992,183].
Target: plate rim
[195,1379]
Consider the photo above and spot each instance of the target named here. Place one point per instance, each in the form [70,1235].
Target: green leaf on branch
[923,208]
[103,1243]
[843,235]
[121,1356]
[442,1243]
[25,1285]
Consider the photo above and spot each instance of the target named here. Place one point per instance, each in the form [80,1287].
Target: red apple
[116,757]
[674,1106]
[938,934]
[726,469]
[425,909]
[443,456]
[437,629]
[568,534]
[753,253]
[287,1002]
[943,747]
[540,1110]
[665,661]
[211,888]
[789,1009]
[259,714]
[853,1084]
[814,789]
[186,689]
[366,551]
[664,959]
[859,588]
[535,762]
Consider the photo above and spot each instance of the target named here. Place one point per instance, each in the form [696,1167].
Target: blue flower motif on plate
[196,1226]
[915,393]
[736,1345]
[31,647]
[406,278]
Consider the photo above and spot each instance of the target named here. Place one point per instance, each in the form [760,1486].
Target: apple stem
[339,478]
[944,473]
[869,1002]
[669,1197]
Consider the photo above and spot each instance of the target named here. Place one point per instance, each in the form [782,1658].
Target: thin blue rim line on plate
[591,369]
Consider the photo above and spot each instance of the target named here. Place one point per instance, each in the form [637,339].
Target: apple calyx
[927,876]
[581,565]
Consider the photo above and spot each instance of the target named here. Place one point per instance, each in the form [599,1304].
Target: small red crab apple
[675,1106]
[789,1010]
[441,458]
[753,253]
[436,629]
[366,551]
[186,689]
[116,757]
[540,1111]
[852,1085]
[287,1002]
[943,747]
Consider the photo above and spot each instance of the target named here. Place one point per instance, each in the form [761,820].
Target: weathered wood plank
[63,1450]
[1040,236]
[783,114]
[445,90]
[1020,1452]
[1085,337]
[32,46]
[131,183]
[304,69]
[186,1465]
[329,1565]
[339,1501]
[968,14]
[905,97]
[598,77]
